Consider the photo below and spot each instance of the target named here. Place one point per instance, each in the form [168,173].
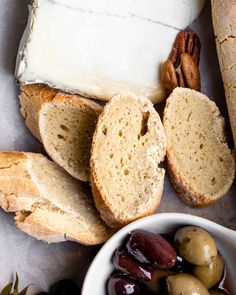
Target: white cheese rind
[98,48]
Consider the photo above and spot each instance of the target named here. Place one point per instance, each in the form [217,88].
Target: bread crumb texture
[64,123]
[128,144]
[200,163]
[66,126]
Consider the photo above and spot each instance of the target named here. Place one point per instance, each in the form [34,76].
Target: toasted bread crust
[19,193]
[109,216]
[224,22]
[15,182]
[32,226]
[34,96]
[185,191]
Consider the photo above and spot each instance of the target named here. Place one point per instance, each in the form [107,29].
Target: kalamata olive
[185,284]
[64,287]
[118,285]
[210,274]
[157,283]
[151,249]
[195,245]
[130,266]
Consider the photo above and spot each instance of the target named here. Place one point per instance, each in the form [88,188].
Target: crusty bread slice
[128,144]
[32,97]
[49,204]
[201,165]
[64,123]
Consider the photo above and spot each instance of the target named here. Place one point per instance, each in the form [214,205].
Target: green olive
[157,283]
[218,292]
[185,284]
[195,245]
[210,274]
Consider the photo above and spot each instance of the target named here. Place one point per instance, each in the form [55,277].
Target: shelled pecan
[181,68]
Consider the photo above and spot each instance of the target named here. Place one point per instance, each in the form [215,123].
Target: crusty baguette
[128,144]
[49,204]
[201,165]
[32,97]
[64,123]
[224,22]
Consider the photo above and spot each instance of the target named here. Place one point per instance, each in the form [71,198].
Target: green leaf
[24,291]
[16,285]
[7,289]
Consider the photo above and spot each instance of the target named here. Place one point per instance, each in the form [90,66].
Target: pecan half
[168,76]
[181,68]
[190,71]
[186,42]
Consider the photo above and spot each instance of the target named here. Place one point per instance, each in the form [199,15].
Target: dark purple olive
[130,266]
[151,249]
[118,285]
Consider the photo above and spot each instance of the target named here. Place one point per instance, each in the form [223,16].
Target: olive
[157,283]
[130,266]
[195,245]
[210,274]
[118,285]
[64,287]
[185,284]
[151,249]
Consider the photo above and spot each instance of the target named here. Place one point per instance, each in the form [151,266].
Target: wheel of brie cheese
[99,48]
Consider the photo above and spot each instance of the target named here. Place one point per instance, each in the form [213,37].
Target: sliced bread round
[201,166]
[128,144]
[64,123]
[49,204]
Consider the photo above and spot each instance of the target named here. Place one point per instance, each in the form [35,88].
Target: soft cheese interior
[99,48]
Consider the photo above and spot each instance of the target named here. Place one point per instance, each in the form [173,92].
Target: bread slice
[32,97]
[49,204]
[201,165]
[64,123]
[128,144]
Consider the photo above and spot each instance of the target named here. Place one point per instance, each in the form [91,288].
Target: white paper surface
[43,264]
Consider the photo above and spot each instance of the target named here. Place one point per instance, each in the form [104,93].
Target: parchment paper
[43,264]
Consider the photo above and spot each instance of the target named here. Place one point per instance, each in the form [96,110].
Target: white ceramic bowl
[101,267]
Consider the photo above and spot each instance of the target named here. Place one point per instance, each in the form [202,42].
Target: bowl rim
[146,220]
